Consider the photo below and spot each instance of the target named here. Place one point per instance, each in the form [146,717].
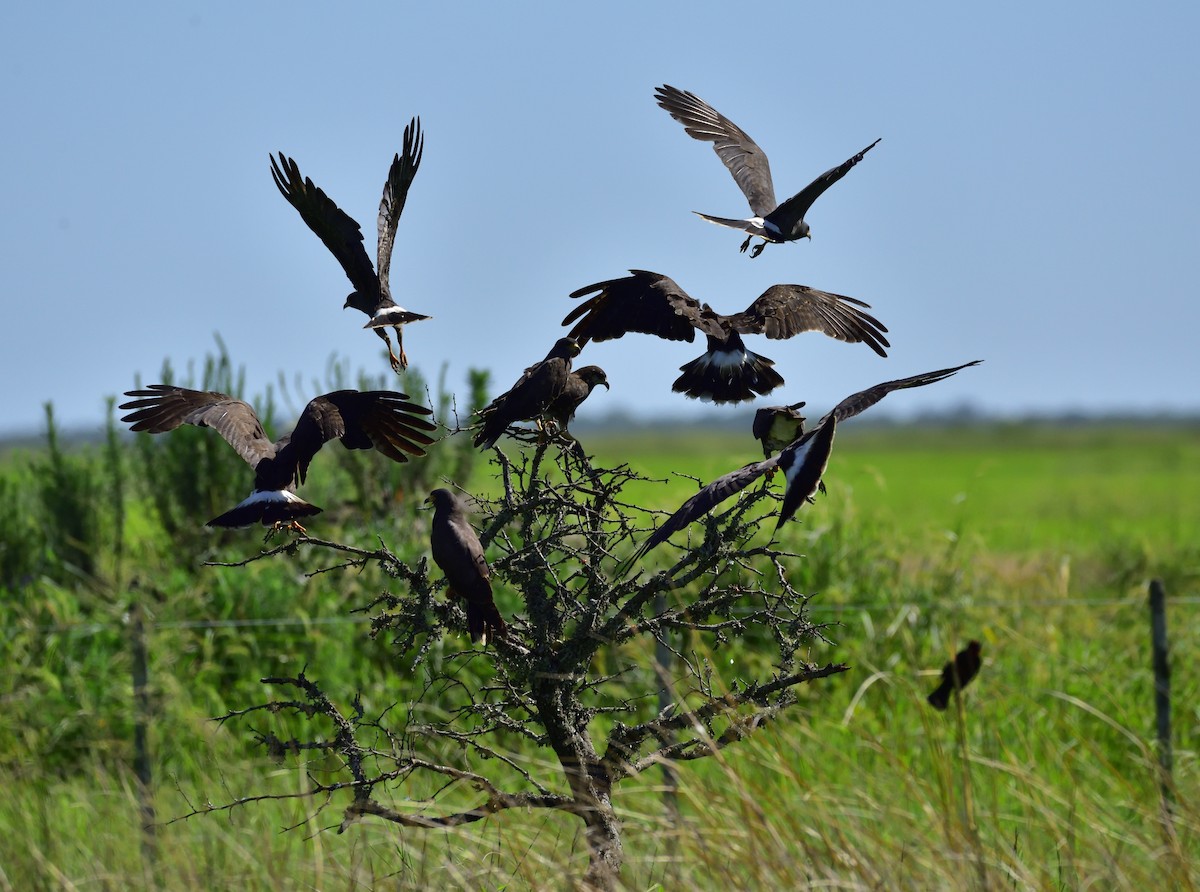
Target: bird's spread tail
[267,508]
[754,225]
[727,376]
[394,316]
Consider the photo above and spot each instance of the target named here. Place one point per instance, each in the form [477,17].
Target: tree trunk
[605,853]
[566,727]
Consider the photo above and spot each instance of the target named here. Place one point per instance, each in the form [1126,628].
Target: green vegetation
[1038,541]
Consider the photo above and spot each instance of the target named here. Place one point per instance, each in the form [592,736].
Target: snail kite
[459,554]
[344,238]
[532,395]
[652,303]
[578,388]
[777,426]
[378,419]
[957,674]
[773,223]
[802,462]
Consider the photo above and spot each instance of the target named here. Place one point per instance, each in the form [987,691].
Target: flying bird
[777,426]
[651,303]
[772,222]
[380,419]
[957,674]
[344,238]
[579,386]
[802,462]
[533,394]
[459,554]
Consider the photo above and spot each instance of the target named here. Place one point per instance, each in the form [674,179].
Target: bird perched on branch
[344,238]
[651,303]
[957,674]
[802,462]
[459,554]
[579,386]
[383,420]
[533,394]
[777,426]
[772,222]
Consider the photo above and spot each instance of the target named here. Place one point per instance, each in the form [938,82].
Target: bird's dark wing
[533,393]
[745,160]
[803,464]
[162,407]
[793,210]
[376,419]
[337,229]
[864,399]
[645,302]
[395,193]
[786,310]
[704,501]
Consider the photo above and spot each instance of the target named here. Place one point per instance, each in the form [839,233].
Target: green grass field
[1038,541]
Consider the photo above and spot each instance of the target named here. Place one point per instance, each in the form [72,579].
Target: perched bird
[777,426]
[579,386]
[773,223]
[651,303]
[379,419]
[532,395]
[459,554]
[957,674]
[344,238]
[802,462]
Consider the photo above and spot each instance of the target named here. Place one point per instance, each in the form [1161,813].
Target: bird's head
[349,298]
[805,231]
[593,375]
[440,498]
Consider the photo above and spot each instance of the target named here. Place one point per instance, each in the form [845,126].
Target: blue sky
[1033,202]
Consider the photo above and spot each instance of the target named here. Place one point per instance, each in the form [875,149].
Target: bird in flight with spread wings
[773,223]
[802,462]
[379,419]
[344,238]
[651,303]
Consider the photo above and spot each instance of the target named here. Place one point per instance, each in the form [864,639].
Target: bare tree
[575,675]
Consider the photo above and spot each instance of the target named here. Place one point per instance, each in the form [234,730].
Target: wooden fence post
[141,749]
[1162,691]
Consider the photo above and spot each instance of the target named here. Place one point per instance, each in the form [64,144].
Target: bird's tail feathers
[394,316]
[727,377]
[265,507]
[754,225]
[484,622]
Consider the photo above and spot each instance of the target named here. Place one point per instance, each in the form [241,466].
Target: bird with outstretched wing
[383,420]
[342,235]
[773,223]
[651,303]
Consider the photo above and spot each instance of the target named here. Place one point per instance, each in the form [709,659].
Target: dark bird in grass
[773,223]
[344,238]
[532,395]
[802,462]
[651,303]
[957,674]
[459,554]
[380,419]
[777,426]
